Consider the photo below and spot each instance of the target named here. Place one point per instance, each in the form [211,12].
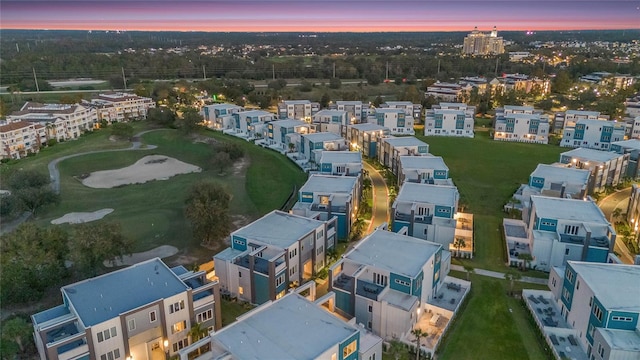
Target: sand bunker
[152,167]
[161,252]
[82,217]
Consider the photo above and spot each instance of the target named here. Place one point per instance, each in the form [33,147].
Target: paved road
[54,173]
[620,200]
[499,275]
[380,208]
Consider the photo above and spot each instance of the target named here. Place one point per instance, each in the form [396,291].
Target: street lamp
[166,348]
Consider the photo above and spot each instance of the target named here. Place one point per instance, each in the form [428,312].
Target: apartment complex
[450,119]
[19,139]
[143,312]
[118,107]
[357,112]
[394,119]
[448,91]
[391,148]
[522,124]
[333,121]
[423,170]
[218,116]
[365,137]
[569,118]
[632,148]
[593,134]
[250,124]
[344,163]
[411,109]
[312,145]
[298,110]
[633,210]
[607,167]
[280,133]
[62,121]
[520,83]
[479,43]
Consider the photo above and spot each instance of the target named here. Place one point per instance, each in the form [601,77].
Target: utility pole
[204,73]
[438,66]
[17,47]
[273,71]
[496,72]
[387,75]
[124,79]
[334,69]
[35,79]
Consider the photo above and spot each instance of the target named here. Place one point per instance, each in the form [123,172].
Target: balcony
[344,282]
[368,290]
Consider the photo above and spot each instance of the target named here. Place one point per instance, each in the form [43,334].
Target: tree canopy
[93,243]
[207,208]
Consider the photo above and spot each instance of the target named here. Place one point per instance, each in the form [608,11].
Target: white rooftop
[390,110]
[330,184]
[224,106]
[398,103]
[404,141]
[568,209]
[399,299]
[518,107]
[399,254]
[341,157]
[594,122]
[627,340]
[368,127]
[423,162]
[296,102]
[278,228]
[427,193]
[322,136]
[255,113]
[289,328]
[614,285]
[583,112]
[633,144]
[591,154]
[327,112]
[348,102]
[561,174]
[288,123]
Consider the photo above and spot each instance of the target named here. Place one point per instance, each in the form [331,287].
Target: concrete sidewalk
[499,275]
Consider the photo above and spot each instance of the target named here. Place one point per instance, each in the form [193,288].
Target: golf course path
[54,173]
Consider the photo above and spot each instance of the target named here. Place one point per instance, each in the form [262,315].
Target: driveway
[380,206]
[617,200]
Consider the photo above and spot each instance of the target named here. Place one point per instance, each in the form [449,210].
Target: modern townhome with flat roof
[314,144]
[607,167]
[272,252]
[288,328]
[327,196]
[357,112]
[450,119]
[333,121]
[427,211]
[385,279]
[298,109]
[218,116]
[144,311]
[284,135]
[593,134]
[633,211]
[365,138]
[250,124]
[423,170]
[566,229]
[62,121]
[395,120]
[521,124]
[631,147]
[591,311]
[346,163]
[414,110]
[391,148]
[569,118]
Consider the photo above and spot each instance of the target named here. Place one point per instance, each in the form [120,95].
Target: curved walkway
[380,204]
[499,275]
[54,173]
[617,200]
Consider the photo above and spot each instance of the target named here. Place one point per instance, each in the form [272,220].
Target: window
[176,306]
[349,349]
[107,334]
[621,318]
[571,229]
[111,355]
[565,294]
[320,234]
[590,301]
[292,270]
[240,290]
[204,316]
[293,253]
[578,285]
[600,350]
[132,324]
[597,312]
[370,308]
[566,251]
[100,337]
[402,282]
[320,250]
[569,275]
[152,316]
[180,344]
[179,326]
[369,325]
[239,274]
[279,280]
[592,330]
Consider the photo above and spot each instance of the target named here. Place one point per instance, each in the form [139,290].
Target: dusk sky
[318,15]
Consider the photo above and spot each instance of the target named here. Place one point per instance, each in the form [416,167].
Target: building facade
[250,124]
[569,118]
[298,110]
[607,167]
[391,148]
[284,134]
[365,138]
[20,138]
[411,109]
[152,321]
[333,121]
[450,119]
[120,107]
[218,116]
[423,170]
[521,124]
[62,121]
[479,43]
[343,163]
[396,120]
[312,145]
[593,134]
[632,148]
[357,112]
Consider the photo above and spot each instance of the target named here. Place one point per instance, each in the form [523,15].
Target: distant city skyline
[319,16]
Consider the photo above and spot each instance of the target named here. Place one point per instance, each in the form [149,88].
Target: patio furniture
[554,340]
[572,340]
[539,311]
[533,299]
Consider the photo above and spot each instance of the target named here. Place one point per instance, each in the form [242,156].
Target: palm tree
[616,213]
[396,349]
[526,258]
[459,243]
[418,333]
[17,330]
[197,332]
[469,269]
[512,277]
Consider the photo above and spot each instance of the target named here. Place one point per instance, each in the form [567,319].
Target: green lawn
[231,310]
[153,213]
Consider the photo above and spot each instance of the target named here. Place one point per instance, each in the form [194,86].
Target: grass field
[153,213]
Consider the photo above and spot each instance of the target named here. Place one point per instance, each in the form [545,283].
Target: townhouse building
[391,148]
[144,311]
[62,121]
[521,124]
[365,138]
[559,181]
[272,252]
[423,170]
[632,148]
[298,109]
[607,167]
[566,229]
[250,124]
[632,127]
[386,279]
[357,112]
[593,134]
[600,304]
[20,138]
[284,134]
[569,118]
[633,211]
[450,119]
[396,120]
[120,107]
[411,109]
[333,121]
[448,92]
[218,116]
[632,106]
[345,163]
[328,196]
[428,212]
[289,328]
[312,145]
